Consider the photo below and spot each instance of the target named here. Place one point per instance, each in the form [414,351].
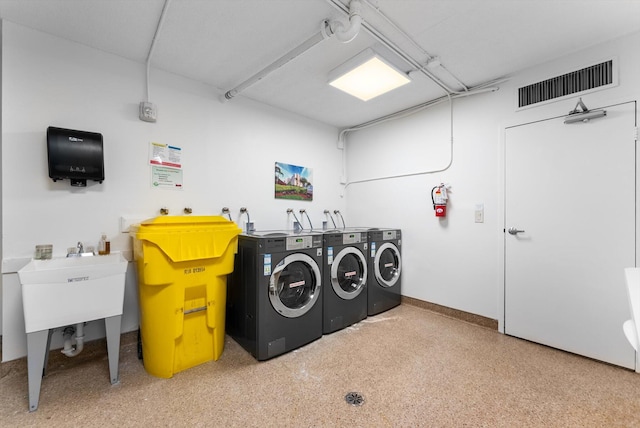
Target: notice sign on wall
[166,166]
[165,155]
[168,178]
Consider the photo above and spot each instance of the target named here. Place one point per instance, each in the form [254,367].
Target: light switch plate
[479,213]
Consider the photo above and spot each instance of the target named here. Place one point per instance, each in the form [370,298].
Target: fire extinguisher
[439,198]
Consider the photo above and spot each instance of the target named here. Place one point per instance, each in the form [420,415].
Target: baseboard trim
[452,313]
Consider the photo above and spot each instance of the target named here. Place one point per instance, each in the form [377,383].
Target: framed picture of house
[293,182]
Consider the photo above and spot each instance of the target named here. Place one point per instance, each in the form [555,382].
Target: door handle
[514,231]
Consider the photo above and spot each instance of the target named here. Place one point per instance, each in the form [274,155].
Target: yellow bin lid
[184,238]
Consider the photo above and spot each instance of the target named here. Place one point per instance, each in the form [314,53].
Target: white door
[571,189]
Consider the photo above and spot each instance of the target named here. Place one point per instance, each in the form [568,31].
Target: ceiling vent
[588,79]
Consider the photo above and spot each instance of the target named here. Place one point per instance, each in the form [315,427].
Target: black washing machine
[345,279]
[385,267]
[274,294]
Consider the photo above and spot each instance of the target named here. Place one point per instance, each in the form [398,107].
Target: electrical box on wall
[148,112]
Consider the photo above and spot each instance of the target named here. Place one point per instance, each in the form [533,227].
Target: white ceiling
[224,42]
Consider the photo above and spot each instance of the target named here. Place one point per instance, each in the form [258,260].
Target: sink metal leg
[46,352]
[37,352]
[112,325]
[39,342]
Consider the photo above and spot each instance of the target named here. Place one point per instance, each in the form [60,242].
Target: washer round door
[349,273]
[387,265]
[294,286]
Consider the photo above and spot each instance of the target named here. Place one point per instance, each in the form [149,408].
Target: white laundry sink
[65,291]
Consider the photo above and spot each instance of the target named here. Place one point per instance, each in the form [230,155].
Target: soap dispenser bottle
[104,246]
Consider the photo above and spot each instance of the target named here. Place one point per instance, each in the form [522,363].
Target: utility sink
[65,291]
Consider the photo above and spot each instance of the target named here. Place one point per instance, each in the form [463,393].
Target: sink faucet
[80,248]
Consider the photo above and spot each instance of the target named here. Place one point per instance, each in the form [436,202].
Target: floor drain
[354,398]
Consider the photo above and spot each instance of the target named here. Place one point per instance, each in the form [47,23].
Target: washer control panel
[302,242]
[352,238]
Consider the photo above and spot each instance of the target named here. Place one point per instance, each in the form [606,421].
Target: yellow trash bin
[182,267]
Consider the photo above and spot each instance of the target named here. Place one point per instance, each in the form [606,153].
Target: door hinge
[635,133]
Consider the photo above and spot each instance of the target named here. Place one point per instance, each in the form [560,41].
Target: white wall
[457,262]
[229,154]
[451,262]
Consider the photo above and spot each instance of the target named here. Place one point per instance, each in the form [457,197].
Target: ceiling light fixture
[366,76]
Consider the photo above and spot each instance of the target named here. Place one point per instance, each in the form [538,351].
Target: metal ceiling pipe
[292,54]
[327,29]
[347,34]
[156,35]
[398,51]
[432,171]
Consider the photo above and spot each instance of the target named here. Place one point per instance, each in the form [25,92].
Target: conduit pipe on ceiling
[397,50]
[343,33]
[401,53]
[292,54]
[450,94]
[430,58]
[404,113]
[347,34]
[153,43]
[433,171]
[417,108]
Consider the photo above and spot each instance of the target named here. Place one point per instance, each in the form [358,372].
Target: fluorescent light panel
[370,78]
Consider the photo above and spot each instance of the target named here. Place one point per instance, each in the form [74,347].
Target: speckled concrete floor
[414,367]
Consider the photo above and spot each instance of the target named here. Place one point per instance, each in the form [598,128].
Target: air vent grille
[575,82]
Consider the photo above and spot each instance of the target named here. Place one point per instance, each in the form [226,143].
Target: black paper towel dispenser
[75,155]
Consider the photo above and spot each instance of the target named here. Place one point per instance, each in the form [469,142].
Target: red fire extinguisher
[439,198]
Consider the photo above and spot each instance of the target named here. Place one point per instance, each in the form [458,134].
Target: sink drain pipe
[343,33]
[67,334]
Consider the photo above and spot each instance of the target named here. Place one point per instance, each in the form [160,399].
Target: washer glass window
[387,264]
[348,273]
[294,285]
